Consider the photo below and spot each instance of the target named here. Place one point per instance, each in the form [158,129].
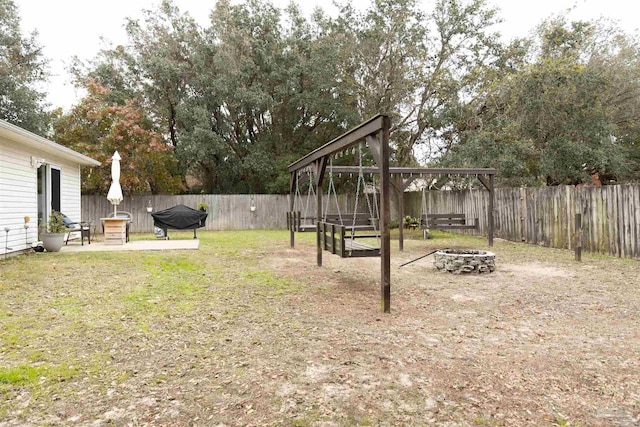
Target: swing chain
[297,196]
[376,210]
[361,180]
[335,195]
[355,208]
[310,193]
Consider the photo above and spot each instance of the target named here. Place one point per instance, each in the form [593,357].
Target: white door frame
[45,194]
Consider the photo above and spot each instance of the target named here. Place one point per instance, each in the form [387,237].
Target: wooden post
[523,212]
[400,184]
[292,183]
[401,213]
[319,168]
[333,239]
[318,231]
[385,213]
[568,210]
[397,184]
[578,234]
[491,194]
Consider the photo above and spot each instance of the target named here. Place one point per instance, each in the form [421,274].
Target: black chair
[82,227]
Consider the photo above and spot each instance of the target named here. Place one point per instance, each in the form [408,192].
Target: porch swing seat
[336,239]
[296,222]
[340,239]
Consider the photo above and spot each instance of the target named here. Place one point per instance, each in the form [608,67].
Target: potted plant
[53,237]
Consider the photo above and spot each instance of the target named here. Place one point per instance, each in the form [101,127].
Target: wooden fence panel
[543,216]
[226,212]
[546,216]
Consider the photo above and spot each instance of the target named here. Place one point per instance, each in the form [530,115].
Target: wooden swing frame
[330,236]
[375,132]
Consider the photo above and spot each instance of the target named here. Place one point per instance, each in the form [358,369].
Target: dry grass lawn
[248,332]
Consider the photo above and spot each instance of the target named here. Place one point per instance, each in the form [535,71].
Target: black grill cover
[179,217]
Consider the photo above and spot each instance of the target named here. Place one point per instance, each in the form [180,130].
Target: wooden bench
[449,221]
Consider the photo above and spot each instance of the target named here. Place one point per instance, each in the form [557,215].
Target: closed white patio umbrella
[115,191]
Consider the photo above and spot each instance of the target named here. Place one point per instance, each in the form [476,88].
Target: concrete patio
[135,245]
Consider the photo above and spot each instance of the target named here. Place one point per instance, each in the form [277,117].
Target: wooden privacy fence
[546,216]
[226,212]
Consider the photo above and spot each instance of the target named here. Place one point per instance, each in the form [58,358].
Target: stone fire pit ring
[464,261]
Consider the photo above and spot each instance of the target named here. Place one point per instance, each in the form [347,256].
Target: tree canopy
[225,107]
[98,128]
[22,72]
[259,87]
[566,112]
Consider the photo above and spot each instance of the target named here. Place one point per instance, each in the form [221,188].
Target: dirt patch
[250,332]
[535,270]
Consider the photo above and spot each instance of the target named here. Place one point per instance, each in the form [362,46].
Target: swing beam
[375,132]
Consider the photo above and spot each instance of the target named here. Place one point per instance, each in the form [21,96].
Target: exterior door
[49,192]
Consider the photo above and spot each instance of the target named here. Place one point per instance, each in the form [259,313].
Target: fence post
[523,212]
[578,234]
[492,192]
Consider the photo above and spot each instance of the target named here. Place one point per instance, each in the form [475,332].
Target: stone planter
[465,261]
[52,242]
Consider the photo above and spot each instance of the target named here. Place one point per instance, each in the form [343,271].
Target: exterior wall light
[37,162]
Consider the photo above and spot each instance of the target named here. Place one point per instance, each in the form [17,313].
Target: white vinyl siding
[70,191]
[19,194]
[18,197]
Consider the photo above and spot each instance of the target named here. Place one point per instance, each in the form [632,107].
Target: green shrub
[411,222]
[56,223]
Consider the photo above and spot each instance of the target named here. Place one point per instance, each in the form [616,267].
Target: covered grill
[179,217]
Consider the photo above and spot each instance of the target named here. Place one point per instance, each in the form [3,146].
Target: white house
[36,176]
